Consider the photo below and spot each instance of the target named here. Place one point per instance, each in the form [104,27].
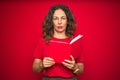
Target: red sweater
[59,50]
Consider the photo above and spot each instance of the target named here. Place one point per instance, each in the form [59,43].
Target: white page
[76,38]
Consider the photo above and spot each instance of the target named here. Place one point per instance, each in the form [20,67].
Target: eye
[64,18]
[55,18]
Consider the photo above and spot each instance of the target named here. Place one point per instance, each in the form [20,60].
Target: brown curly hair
[48,24]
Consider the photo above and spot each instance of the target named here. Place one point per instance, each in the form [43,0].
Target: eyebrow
[57,16]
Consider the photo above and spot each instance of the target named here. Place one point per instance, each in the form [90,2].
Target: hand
[48,62]
[69,63]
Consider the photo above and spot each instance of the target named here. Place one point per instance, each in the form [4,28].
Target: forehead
[59,12]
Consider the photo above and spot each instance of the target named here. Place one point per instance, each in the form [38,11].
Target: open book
[60,51]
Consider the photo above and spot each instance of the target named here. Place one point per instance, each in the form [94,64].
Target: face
[59,21]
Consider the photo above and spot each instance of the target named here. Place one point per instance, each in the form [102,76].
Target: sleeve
[38,53]
[80,54]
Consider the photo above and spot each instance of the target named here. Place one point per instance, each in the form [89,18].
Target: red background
[20,29]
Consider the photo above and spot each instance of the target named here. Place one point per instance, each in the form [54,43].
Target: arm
[37,65]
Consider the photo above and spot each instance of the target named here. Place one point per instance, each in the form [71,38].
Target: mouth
[60,27]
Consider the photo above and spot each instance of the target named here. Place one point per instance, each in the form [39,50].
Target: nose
[59,21]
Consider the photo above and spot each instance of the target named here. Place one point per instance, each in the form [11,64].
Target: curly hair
[48,30]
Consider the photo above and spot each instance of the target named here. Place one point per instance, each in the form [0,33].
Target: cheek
[65,23]
[54,23]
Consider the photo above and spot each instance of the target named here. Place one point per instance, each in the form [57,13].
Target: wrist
[41,66]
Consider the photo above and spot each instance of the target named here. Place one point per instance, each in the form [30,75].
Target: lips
[60,27]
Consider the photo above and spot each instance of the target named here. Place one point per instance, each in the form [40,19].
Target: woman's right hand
[48,62]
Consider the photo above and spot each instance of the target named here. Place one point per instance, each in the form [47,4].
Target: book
[59,50]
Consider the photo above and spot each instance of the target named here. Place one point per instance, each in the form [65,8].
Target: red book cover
[59,50]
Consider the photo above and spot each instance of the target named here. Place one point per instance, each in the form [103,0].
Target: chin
[60,31]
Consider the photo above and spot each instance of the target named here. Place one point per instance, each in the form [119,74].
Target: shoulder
[41,41]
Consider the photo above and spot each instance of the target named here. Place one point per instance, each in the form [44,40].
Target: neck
[60,35]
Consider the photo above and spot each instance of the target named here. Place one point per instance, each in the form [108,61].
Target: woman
[54,56]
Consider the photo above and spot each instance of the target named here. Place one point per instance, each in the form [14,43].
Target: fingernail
[52,59]
[65,59]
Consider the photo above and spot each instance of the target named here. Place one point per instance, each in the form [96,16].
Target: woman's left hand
[69,63]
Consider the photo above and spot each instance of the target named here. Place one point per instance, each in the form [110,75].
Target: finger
[49,63]
[66,64]
[48,58]
[68,61]
[72,58]
[76,70]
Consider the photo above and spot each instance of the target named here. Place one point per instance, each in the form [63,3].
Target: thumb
[72,58]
